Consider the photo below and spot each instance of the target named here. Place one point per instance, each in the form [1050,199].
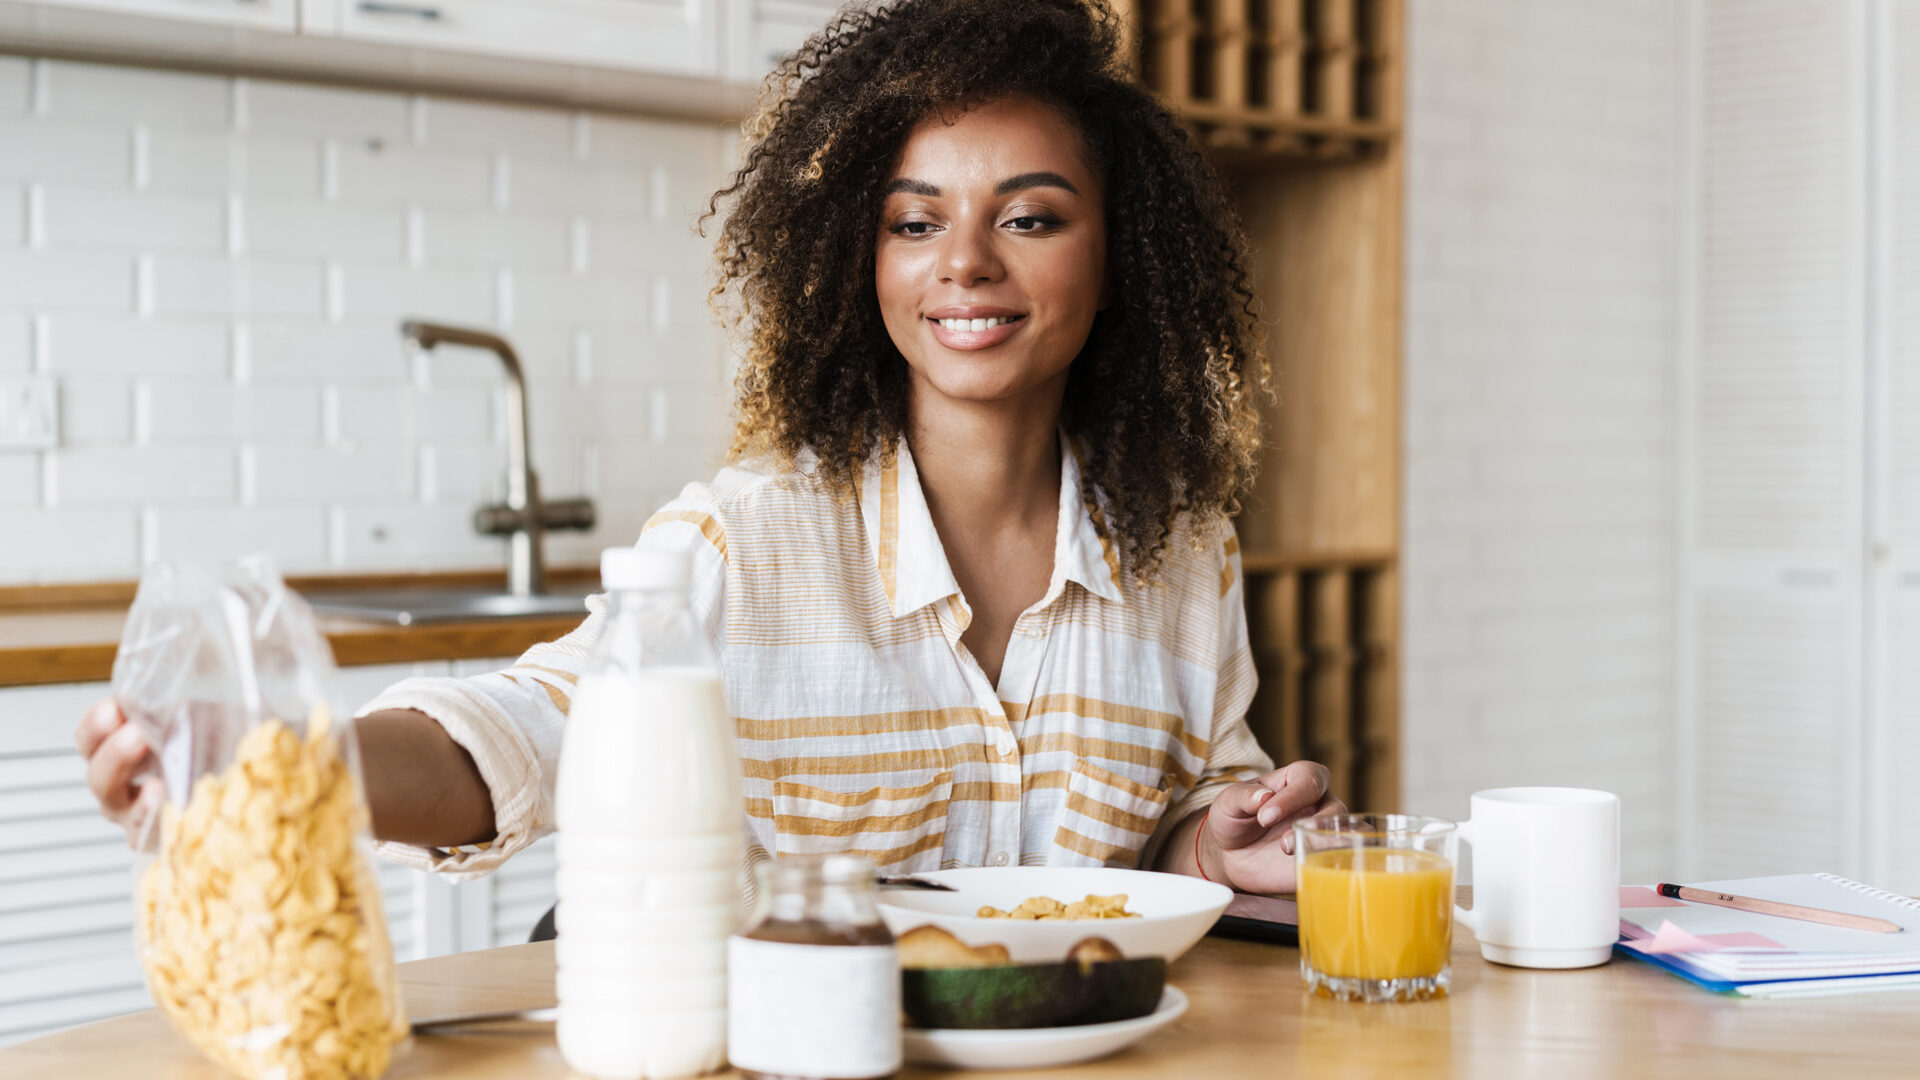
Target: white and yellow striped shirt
[866,726]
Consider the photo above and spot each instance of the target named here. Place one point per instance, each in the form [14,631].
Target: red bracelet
[1197,834]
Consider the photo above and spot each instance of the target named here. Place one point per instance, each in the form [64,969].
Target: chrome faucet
[525,517]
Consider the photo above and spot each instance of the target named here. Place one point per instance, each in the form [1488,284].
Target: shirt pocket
[1106,820]
[902,829]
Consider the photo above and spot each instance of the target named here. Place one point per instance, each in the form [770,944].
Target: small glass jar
[813,983]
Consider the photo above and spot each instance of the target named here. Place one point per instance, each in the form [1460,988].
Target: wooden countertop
[1248,1017]
[69,633]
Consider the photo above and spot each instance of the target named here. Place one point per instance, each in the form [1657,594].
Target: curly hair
[1165,394]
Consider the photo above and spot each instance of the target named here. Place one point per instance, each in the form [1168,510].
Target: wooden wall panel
[1327,269]
[1298,102]
[1379,707]
[1278,714]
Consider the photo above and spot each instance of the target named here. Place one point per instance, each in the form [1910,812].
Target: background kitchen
[1594,463]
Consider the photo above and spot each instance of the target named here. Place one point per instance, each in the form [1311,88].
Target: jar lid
[645,568]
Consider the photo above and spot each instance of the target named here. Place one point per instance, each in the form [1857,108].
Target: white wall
[1542,304]
[214,270]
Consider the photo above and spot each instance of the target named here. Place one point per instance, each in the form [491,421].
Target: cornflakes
[260,922]
[1046,907]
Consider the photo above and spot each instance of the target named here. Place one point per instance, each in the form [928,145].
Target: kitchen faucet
[525,517]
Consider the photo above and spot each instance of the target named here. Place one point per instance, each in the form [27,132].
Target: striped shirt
[866,726]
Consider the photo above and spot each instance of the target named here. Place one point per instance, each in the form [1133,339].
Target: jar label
[813,1010]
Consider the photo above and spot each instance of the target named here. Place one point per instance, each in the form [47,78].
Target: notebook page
[1800,949]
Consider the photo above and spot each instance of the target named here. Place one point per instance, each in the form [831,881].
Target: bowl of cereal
[1038,912]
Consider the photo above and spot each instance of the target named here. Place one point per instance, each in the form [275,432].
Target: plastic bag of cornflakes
[258,915]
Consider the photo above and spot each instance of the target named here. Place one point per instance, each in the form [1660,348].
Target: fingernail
[1286,843]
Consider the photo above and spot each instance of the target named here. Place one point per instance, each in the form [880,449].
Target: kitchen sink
[407,607]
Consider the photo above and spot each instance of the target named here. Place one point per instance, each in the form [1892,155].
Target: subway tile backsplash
[214,271]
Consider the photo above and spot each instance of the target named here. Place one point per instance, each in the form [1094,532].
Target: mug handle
[1464,916]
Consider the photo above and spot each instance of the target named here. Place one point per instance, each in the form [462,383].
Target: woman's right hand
[115,754]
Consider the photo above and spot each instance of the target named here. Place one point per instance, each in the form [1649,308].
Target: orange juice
[1376,913]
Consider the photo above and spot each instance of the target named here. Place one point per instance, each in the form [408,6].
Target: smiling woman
[970,575]
[916,133]
[989,279]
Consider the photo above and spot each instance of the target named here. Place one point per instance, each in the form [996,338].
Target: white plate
[1176,910]
[1037,1048]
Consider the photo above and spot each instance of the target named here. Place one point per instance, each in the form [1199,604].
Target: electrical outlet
[29,413]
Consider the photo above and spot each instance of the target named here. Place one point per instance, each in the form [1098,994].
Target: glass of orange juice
[1376,905]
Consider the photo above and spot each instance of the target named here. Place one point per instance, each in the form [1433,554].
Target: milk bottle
[648,807]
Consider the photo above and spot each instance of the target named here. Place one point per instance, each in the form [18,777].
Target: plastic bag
[258,916]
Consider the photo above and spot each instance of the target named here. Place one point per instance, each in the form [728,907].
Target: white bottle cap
[645,568]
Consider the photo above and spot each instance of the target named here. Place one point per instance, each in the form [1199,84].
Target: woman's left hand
[1246,840]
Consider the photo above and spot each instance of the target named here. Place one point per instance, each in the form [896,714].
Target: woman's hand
[421,786]
[1246,840]
[115,753]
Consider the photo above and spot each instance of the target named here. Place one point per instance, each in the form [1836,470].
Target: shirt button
[1007,745]
[999,858]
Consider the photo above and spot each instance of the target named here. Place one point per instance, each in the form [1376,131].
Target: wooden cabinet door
[670,37]
[255,14]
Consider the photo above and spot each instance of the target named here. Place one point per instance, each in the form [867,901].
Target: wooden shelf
[1298,103]
[1267,79]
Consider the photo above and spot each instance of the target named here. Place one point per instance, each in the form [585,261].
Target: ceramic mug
[1546,875]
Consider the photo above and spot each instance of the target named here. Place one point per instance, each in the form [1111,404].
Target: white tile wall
[13,84]
[16,343]
[113,96]
[214,270]
[1542,201]
[107,219]
[65,153]
[132,475]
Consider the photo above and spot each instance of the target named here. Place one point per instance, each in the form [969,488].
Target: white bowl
[1175,910]
[1036,1048]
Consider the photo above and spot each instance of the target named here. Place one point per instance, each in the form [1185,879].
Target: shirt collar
[912,564]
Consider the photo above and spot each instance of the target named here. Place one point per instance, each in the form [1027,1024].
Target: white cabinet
[66,876]
[734,41]
[668,57]
[760,33]
[1800,576]
[280,15]
[671,37]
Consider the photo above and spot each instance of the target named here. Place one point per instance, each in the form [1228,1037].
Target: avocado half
[1033,995]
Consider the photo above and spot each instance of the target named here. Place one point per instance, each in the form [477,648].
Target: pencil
[1774,907]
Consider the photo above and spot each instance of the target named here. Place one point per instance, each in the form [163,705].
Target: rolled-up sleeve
[512,722]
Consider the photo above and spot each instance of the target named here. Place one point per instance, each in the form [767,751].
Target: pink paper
[1746,939]
[1672,939]
[1641,896]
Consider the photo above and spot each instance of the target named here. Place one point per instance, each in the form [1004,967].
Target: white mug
[1546,876]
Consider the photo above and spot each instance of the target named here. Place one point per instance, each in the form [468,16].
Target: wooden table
[1249,1018]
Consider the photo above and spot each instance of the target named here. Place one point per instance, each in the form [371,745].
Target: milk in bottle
[648,808]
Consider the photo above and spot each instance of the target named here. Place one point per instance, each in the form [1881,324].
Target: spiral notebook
[1740,951]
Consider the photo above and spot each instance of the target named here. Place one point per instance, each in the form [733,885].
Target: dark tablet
[1260,918]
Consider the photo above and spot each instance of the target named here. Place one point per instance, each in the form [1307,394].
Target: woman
[970,575]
